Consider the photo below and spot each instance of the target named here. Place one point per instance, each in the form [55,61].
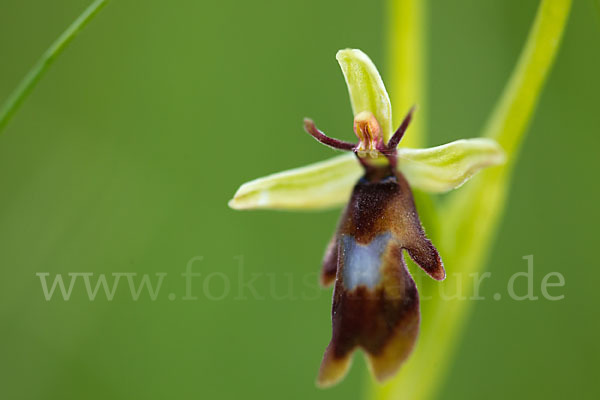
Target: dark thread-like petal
[311,128]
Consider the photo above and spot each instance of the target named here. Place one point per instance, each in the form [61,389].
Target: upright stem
[471,215]
[406,71]
[33,76]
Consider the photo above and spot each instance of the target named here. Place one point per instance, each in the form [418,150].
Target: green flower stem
[33,76]
[406,71]
[471,215]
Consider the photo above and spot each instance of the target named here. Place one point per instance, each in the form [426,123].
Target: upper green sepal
[366,88]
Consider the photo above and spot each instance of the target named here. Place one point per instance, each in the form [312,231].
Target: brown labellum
[375,300]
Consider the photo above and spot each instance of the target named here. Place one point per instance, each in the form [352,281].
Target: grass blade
[33,76]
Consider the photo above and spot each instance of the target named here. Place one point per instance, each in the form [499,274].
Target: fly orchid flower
[375,299]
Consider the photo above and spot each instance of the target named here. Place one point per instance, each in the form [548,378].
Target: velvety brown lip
[382,320]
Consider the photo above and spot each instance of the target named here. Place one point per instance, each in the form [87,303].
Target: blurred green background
[124,158]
